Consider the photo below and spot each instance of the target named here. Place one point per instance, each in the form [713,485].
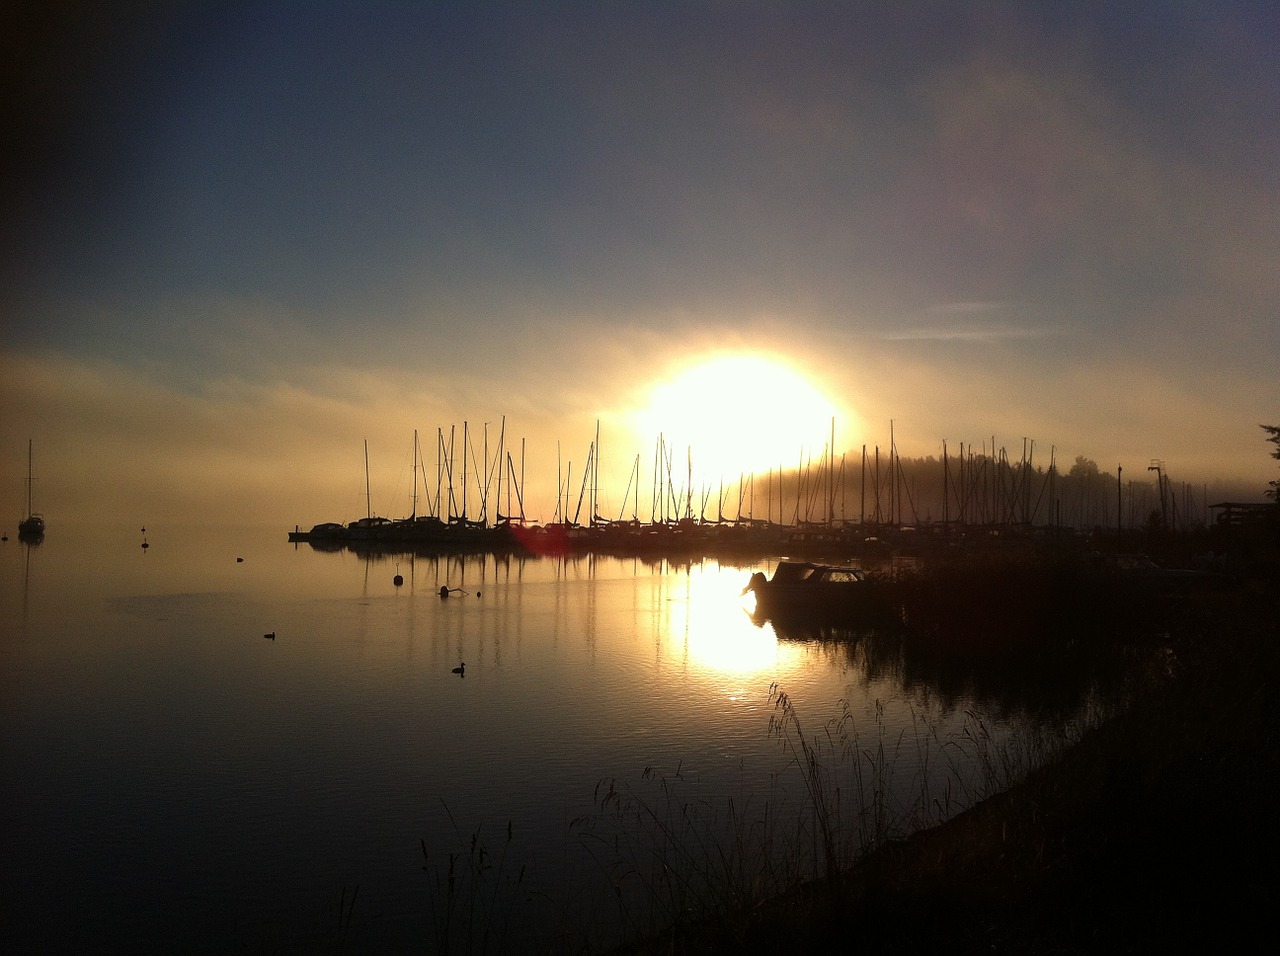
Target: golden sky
[241,245]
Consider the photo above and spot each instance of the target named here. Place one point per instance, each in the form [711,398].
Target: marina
[826,507]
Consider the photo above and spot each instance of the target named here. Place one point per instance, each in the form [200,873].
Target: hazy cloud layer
[241,244]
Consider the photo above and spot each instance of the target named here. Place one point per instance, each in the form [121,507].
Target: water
[172,780]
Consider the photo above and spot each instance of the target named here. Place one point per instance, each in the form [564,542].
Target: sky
[242,239]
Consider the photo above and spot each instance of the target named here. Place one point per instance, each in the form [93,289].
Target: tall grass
[672,856]
[663,853]
[472,895]
[858,796]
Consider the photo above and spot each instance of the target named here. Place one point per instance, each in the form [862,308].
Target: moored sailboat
[32,526]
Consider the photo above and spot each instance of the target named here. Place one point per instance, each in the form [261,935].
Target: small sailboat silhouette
[30,528]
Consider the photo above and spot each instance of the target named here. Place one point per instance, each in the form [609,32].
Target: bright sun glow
[708,621]
[739,414]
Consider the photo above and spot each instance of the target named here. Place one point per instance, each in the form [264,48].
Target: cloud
[966,220]
[981,322]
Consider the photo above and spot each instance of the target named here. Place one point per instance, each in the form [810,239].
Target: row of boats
[425,534]
[795,587]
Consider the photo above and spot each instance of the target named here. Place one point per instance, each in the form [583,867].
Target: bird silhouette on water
[461,669]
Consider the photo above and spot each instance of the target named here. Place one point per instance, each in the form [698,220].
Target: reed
[670,856]
[856,801]
[346,909]
[666,853]
[472,894]
[676,860]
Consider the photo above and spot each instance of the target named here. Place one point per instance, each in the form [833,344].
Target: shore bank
[1156,831]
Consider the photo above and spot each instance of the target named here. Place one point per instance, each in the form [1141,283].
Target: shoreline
[1154,832]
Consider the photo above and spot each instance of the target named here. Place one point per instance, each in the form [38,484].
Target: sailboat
[31,527]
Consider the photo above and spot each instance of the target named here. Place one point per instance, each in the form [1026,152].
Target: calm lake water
[171,780]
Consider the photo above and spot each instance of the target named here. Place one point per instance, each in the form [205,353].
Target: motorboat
[805,587]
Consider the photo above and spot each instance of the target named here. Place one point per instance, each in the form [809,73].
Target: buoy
[461,669]
[270,635]
[398,580]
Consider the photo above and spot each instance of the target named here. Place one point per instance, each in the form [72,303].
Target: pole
[1119,503]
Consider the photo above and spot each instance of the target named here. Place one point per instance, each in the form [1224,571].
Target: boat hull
[813,592]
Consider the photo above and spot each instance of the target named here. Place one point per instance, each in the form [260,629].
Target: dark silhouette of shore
[1154,833]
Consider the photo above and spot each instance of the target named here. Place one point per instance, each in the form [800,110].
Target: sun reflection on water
[708,614]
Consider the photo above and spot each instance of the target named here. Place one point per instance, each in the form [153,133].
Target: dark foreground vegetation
[1155,832]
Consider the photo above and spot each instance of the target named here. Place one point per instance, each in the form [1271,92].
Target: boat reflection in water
[1029,643]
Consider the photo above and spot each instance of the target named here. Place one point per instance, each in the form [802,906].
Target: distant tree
[1273,436]
[1083,468]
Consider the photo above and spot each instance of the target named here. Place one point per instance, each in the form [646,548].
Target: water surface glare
[174,780]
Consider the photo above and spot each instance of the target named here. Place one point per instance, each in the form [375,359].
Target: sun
[729,416]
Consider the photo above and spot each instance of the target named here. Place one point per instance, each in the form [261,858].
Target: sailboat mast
[368,499]
[893,479]
[831,475]
[688,491]
[497,459]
